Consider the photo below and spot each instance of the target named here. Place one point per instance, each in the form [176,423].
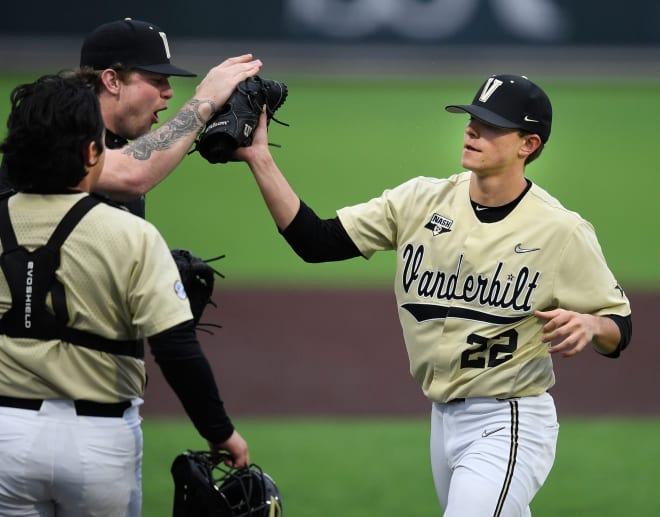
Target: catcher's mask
[204,487]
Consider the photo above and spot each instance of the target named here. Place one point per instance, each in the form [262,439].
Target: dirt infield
[331,353]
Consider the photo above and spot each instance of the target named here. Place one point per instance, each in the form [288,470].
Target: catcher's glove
[231,493]
[198,279]
[233,126]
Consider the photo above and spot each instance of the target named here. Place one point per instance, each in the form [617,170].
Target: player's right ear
[111,81]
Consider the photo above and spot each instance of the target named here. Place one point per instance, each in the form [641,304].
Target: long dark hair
[51,123]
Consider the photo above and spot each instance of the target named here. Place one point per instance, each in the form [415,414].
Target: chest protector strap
[31,278]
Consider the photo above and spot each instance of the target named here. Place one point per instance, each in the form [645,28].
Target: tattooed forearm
[188,120]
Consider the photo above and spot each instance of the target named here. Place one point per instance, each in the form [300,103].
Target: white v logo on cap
[167,47]
[489,88]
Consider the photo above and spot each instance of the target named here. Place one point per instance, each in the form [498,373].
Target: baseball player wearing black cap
[493,277]
[131,43]
[129,63]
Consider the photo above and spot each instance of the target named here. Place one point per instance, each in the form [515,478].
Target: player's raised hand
[259,145]
[221,80]
[281,199]
[567,332]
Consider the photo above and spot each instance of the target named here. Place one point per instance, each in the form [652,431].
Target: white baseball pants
[56,463]
[489,457]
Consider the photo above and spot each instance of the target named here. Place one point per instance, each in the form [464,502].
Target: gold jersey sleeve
[466,291]
[120,282]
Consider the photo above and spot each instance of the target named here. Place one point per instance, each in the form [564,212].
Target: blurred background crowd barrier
[598,36]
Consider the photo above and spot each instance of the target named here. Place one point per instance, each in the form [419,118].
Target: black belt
[461,400]
[83,407]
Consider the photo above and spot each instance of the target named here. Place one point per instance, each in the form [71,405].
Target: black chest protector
[31,278]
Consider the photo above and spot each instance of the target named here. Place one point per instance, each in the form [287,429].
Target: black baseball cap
[510,101]
[133,43]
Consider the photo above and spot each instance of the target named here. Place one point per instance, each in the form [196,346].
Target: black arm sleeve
[625,327]
[185,368]
[319,240]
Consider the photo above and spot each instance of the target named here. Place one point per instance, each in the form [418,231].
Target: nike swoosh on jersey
[424,312]
[520,249]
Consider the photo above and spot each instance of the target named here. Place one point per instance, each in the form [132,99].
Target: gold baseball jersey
[120,283]
[466,291]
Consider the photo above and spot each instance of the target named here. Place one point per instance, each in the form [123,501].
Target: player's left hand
[567,332]
[234,451]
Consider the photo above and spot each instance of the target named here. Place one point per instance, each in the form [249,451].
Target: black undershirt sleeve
[319,240]
[185,368]
[625,327]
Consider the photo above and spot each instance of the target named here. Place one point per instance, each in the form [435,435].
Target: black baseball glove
[204,487]
[233,126]
[198,280]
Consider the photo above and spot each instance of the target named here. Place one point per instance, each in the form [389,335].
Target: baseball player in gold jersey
[81,283]
[493,277]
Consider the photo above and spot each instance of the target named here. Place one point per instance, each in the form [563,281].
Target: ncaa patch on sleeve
[179,290]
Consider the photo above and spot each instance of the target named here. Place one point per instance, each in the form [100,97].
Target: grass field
[349,140]
[376,467]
